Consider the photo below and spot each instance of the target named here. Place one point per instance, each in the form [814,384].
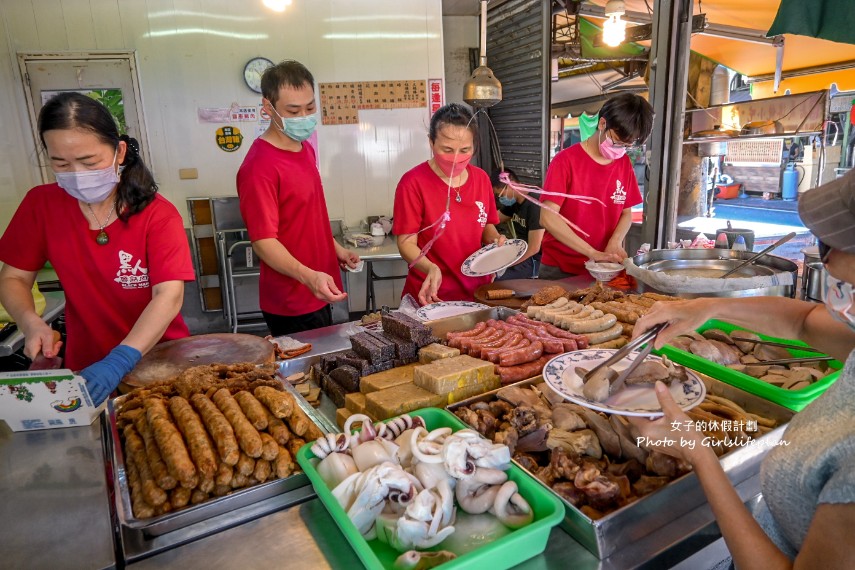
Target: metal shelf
[750,137]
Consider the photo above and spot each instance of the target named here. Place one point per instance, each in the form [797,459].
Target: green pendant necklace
[102,238]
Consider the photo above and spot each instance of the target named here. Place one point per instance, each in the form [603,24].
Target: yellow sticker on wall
[229,138]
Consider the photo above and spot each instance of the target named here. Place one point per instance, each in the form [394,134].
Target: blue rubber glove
[104,376]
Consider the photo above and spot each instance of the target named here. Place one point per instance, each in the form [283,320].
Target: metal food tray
[326,410]
[162,524]
[631,523]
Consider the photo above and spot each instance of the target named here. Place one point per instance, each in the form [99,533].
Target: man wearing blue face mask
[808,483]
[282,202]
[523,220]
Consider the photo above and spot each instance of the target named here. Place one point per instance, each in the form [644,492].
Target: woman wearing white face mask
[809,484]
[597,168]
[118,248]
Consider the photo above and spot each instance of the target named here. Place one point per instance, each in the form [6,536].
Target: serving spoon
[757,256]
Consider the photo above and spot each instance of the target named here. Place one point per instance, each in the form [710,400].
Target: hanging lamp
[482,89]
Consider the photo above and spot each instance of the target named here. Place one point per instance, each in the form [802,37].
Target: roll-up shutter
[518,51]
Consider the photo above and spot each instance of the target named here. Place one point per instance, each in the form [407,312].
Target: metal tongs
[604,378]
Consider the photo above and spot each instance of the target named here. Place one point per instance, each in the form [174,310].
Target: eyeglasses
[618,144]
[824,251]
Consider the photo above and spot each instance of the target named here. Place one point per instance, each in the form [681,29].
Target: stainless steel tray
[633,522]
[162,524]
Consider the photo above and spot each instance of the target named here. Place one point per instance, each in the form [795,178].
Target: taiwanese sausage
[521,355]
[510,374]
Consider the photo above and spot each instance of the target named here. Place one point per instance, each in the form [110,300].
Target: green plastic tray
[795,400]
[510,550]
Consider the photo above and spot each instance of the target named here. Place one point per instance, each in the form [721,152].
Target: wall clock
[253,70]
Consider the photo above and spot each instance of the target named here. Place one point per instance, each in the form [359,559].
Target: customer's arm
[278,258]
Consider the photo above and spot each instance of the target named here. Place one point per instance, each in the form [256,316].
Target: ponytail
[136,184]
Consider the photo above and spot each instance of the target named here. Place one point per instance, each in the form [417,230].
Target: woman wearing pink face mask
[445,183]
[597,167]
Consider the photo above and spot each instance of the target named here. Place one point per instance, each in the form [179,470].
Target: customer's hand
[674,434]
[105,375]
[347,258]
[681,316]
[323,287]
[430,288]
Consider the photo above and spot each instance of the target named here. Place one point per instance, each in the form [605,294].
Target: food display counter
[57,487]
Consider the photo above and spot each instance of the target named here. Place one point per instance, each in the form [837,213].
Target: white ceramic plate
[448,309]
[492,258]
[636,400]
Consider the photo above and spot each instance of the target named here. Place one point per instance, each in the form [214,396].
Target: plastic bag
[409,306]
[38,299]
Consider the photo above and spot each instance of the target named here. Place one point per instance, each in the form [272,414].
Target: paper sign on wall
[229,139]
[436,95]
[341,102]
[243,114]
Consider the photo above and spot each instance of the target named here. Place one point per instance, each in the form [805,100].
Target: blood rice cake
[400,325]
[404,349]
[436,351]
[367,347]
[334,390]
[347,376]
[402,399]
[387,379]
[448,374]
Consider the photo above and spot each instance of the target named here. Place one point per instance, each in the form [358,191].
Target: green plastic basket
[508,551]
[793,399]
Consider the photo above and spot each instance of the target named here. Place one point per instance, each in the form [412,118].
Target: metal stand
[371,277]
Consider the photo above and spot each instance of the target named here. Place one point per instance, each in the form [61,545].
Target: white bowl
[378,240]
[602,271]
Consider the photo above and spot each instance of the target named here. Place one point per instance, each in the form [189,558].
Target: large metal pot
[722,259]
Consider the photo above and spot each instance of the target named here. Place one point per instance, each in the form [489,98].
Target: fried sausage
[510,374]
[238,481]
[247,436]
[158,468]
[222,490]
[198,441]
[521,355]
[207,485]
[135,449]
[253,409]
[219,428]
[277,402]
[614,343]
[294,445]
[262,469]
[224,474]
[197,497]
[283,465]
[277,429]
[142,510]
[170,443]
[270,447]
[180,497]
[245,465]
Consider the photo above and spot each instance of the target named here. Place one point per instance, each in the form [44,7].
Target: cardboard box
[45,399]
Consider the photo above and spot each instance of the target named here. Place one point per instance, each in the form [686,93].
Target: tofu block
[341,415]
[436,351]
[387,379]
[475,389]
[448,374]
[355,402]
[384,404]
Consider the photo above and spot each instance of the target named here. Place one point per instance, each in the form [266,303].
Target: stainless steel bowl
[722,259]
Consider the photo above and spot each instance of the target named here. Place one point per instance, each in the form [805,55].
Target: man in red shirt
[282,203]
[597,167]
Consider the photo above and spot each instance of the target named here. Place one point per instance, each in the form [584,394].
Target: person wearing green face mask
[283,206]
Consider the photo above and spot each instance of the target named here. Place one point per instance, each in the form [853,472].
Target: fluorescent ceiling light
[614,30]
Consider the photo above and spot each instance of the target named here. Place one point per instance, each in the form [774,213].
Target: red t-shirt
[420,201]
[281,197]
[574,172]
[107,287]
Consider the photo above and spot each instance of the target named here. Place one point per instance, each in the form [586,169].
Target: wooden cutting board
[172,357]
[525,287]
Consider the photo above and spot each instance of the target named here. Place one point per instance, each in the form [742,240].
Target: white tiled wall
[191,54]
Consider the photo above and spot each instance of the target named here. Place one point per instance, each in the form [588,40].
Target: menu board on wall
[341,102]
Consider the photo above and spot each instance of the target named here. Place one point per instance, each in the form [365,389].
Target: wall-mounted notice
[341,102]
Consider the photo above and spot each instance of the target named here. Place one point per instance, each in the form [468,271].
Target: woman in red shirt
[118,248]
[446,182]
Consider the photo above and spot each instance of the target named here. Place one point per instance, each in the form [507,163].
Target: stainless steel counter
[54,306]
[54,507]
